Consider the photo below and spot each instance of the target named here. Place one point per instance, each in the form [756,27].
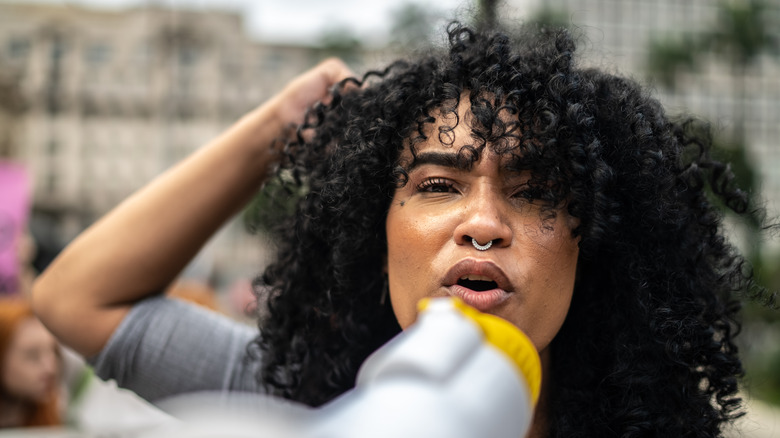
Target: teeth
[474,277]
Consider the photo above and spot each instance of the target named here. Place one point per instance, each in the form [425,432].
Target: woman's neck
[540,426]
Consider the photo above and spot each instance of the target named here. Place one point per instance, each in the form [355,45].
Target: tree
[740,36]
[487,13]
[341,42]
[550,17]
[411,26]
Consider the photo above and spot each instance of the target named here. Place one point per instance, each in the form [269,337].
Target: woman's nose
[51,362]
[484,221]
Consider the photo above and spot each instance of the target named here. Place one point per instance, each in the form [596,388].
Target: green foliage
[667,58]
[487,14]
[340,42]
[762,377]
[411,26]
[738,38]
[765,310]
[760,340]
[741,32]
[734,152]
[730,151]
[550,17]
[276,201]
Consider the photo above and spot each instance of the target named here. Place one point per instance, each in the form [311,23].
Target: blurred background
[99,96]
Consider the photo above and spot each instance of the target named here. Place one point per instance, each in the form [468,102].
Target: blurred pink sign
[14,210]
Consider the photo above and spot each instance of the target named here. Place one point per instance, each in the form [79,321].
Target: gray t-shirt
[167,347]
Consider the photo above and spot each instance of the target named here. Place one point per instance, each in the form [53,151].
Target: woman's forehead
[453,132]
[461,158]
[454,123]
[459,143]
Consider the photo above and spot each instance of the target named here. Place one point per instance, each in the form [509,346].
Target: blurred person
[497,170]
[195,292]
[30,366]
[245,302]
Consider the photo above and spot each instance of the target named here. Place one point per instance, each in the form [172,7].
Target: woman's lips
[481,300]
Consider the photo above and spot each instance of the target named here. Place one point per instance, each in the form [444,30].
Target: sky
[294,21]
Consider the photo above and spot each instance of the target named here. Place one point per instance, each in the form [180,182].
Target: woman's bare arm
[141,246]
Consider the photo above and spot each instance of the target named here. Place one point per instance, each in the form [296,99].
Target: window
[58,48]
[97,54]
[52,147]
[188,56]
[272,62]
[18,48]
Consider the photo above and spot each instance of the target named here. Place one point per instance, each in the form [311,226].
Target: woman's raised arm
[138,248]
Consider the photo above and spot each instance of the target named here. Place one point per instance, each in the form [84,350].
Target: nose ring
[484,247]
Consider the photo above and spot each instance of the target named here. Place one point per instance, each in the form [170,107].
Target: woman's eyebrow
[445,159]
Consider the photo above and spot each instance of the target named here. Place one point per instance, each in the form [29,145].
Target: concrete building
[106,100]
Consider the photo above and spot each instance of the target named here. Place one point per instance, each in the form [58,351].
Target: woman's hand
[291,104]
[138,248]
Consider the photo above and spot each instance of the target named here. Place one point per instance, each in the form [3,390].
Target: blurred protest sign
[14,211]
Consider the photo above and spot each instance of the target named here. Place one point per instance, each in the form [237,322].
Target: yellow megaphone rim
[506,338]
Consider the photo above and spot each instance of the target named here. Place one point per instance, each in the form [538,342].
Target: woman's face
[31,367]
[526,276]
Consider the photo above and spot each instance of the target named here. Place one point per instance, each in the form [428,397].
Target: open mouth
[478,283]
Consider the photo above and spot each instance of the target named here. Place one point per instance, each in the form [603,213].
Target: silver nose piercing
[484,247]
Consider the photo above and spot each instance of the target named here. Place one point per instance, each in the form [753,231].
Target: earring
[385,292]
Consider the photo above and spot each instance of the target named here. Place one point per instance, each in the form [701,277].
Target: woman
[559,198]
[29,368]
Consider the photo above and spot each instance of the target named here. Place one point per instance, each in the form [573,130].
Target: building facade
[105,100]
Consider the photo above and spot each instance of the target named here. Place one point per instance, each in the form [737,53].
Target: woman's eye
[529,193]
[435,185]
[31,355]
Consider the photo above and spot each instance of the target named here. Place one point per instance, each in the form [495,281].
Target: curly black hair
[647,348]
